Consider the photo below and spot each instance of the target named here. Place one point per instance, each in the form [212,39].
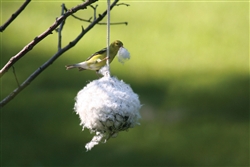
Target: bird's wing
[96,53]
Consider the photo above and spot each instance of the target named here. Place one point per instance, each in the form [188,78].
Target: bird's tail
[68,67]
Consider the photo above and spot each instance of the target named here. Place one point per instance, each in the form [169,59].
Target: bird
[97,60]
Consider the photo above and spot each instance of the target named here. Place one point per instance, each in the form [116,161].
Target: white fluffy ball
[107,106]
[123,55]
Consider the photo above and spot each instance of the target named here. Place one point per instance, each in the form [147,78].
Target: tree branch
[90,19]
[14,72]
[60,30]
[37,39]
[53,58]
[14,15]
[122,4]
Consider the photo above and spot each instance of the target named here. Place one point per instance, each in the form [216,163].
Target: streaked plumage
[97,60]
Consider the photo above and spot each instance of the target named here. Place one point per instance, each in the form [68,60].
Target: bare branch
[103,23]
[14,15]
[81,19]
[37,39]
[94,8]
[116,23]
[60,30]
[14,72]
[53,58]
[122,4]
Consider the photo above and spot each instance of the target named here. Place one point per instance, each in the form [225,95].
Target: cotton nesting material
[123,55]
[107,106]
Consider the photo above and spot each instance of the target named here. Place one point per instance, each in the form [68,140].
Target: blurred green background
[189,65]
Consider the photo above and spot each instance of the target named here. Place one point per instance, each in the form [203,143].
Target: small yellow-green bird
[97,60]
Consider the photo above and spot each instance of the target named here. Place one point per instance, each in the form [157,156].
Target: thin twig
[122,4]
[94,8]
[60,30]
[39,38]
[14,15]
[90,19]
[53,58]
[14,72]
[76,17]
[116,23]
[81,19]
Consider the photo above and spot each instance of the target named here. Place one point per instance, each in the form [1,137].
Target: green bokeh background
[189,65]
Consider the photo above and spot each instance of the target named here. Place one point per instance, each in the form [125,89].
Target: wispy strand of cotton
[105,107]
